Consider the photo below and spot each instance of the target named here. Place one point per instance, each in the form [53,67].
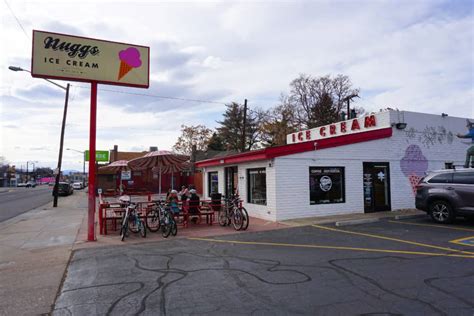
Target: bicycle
[131,220]
[234,214]
[160,216]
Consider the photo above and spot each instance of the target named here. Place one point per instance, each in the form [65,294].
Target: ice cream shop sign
[358,125]
[76,58]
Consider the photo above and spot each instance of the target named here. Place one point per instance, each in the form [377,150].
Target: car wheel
[441,212]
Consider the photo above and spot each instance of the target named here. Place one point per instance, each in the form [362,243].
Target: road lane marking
[466,241]
[432,225]
[393,239]
[258,243]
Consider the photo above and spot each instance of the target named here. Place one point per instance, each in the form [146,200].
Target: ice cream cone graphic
[129,59]
[124,69]
[414,165]
[414,180]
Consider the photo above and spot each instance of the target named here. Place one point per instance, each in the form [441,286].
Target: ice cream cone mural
[414,165]
[129,59]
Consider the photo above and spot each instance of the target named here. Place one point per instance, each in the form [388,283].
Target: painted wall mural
[430,136]
[414,165]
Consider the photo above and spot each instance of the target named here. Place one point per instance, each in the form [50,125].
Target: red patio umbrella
[163,160]
[116,166]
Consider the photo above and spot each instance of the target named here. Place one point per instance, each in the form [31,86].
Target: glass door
[231,181]
[376,182]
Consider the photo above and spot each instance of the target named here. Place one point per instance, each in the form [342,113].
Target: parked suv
[445,194]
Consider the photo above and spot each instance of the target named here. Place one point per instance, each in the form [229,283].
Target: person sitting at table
[184,193]
[194,205]
[172,202]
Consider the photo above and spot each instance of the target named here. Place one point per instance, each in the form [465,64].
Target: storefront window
[257,186]
[326,185]
[213,183]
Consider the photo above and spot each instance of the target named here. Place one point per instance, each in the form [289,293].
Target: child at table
[172,201]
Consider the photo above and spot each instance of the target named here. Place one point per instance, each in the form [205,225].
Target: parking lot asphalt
[408,267]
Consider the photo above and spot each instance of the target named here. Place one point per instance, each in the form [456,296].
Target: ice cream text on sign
[72,50]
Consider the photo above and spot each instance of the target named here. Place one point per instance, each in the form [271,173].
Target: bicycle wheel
[223,220]
[124,229]
[246,218]
[153,220]
[174,229]
[133,223]
[237,219]
[167,225]
[142,228]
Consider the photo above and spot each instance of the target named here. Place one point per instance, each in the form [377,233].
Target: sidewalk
[350,217]
[35,248]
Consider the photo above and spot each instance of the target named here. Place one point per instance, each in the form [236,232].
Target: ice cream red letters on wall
[322,131]
[293,137]
[300,136]
[343,127]
[308,135]
[369,121]
[332,129]
[355,125]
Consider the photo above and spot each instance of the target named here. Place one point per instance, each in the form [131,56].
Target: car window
[442,178]
[463,178]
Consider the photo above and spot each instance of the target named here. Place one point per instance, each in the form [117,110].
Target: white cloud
[414,55]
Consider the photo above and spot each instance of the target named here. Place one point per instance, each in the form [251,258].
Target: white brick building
[340,168]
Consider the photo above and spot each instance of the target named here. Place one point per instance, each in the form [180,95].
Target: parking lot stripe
[431,225]
[466,241]
[261,243]
[392,239]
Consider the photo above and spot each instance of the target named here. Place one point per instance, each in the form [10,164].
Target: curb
[357,221]
[399,217]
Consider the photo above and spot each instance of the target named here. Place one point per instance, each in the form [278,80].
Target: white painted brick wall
[292,173]
[288,177]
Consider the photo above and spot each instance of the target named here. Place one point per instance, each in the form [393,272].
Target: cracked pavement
[183,277]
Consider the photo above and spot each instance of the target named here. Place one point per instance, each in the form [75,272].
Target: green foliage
[198,135]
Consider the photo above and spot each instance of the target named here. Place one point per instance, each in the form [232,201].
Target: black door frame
[373,209]
[229,174]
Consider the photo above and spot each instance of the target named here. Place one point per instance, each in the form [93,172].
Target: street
[15,201]
[409,267]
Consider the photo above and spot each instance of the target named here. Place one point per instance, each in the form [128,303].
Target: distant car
[51,184]
[64,189]
[446,194]
[31,184]
[19,185]
[77,186]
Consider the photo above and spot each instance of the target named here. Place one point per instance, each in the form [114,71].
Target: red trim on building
[273,152]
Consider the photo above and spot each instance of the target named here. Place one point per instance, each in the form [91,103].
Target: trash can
[216,202]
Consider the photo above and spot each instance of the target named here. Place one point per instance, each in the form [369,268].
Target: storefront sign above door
[362,124]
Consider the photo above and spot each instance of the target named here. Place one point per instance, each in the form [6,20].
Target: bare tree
[319,100]
[277,123]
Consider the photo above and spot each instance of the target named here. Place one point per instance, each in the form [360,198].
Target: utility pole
[349,99]
[244,126]
[61,141]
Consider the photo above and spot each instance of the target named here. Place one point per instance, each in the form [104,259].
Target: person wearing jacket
[470,151]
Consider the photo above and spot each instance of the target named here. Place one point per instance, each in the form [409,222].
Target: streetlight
[83,165]
[56,185]
[27,171]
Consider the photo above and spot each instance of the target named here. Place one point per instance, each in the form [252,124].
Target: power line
[156,96]
[17,20]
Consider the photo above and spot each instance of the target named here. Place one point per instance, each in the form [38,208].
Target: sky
[411,55]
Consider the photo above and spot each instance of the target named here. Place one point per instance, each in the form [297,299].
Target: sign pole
[92,184]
